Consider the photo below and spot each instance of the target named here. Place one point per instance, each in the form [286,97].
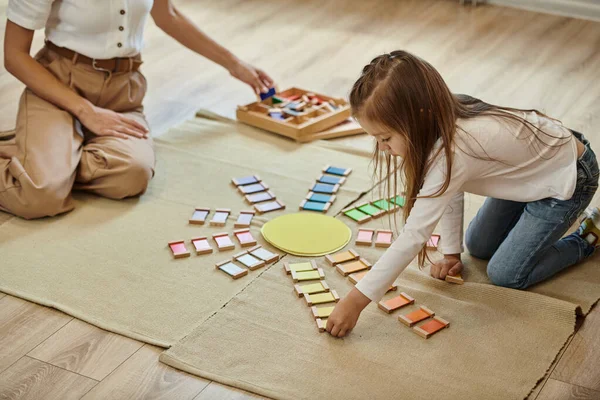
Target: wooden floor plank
[89,351]
[24,325]
[557,390]
[142,376]
[35,380]
[217,391]
[537,390]
[580,365]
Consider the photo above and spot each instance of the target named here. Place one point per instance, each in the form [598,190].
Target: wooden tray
[315,122]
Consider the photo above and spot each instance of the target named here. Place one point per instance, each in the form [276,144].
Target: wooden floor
[505,56]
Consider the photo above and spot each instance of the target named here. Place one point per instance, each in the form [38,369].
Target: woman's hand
[346,313]
[105,122]
[449,265]
[258,80]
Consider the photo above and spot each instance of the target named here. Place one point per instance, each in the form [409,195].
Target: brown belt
[125,64]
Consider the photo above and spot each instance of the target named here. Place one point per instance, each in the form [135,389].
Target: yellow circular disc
[307,234]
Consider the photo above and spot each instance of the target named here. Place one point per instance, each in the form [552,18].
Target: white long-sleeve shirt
[525,171]
[100,29]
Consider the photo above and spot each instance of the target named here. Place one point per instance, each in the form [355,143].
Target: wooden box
[316,121]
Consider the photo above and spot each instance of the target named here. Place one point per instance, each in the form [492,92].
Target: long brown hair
[407,95]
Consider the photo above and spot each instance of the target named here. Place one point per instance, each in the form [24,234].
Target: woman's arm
[18,61]
[180,28]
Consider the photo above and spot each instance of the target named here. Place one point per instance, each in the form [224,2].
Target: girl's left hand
[449,265]
[346,313]
[258,80]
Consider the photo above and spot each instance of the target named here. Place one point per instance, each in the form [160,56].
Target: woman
[80,122]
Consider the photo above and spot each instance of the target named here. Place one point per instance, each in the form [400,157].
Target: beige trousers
[54,153]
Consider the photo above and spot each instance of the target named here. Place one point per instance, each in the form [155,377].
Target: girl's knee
[476,247]
[504,276]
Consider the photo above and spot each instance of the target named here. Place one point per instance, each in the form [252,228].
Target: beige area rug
[499,343]
[108,263]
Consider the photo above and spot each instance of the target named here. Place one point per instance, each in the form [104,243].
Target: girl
[538,175]
[81,122]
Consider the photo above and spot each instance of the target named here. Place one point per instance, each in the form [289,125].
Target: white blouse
[99,29]
[528,172]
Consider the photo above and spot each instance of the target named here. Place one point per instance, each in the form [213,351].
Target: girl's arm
[423,218]
[451,229]
[180,28]
[18,61]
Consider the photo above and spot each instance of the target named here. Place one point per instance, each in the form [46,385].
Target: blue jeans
[522,241]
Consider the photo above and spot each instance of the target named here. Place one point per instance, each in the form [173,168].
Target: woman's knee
[43,203]
[134,179]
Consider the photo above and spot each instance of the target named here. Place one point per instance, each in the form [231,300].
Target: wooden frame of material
[199,216]
[244,219]
[320,197]
[231,269]
[311,288]
[395,303]
[398,200]
[458,279]
[246,180]
[432,243]
[220,217]
[356,215]
[370,209]
[249,261]
[314,206]
[302,266]
[357,276]
[308,120]
[328,169]
[342,257]
[321,298]
[201,245]
[381,236]
[324,188]
[353,266]
[317,274]
[386,205]
[417,316]
[347,128]
[331,179]
[322,312]
[269,206]
[259,197]
[431,327]
[367,237]
[264,254]
[321,324]
[253,188]
[244,236]
[223,246]
[178,249]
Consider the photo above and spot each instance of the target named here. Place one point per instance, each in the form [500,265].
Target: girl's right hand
[346,313]
[104,122]
[451,265]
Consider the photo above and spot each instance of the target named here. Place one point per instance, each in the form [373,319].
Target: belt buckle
[97,68]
